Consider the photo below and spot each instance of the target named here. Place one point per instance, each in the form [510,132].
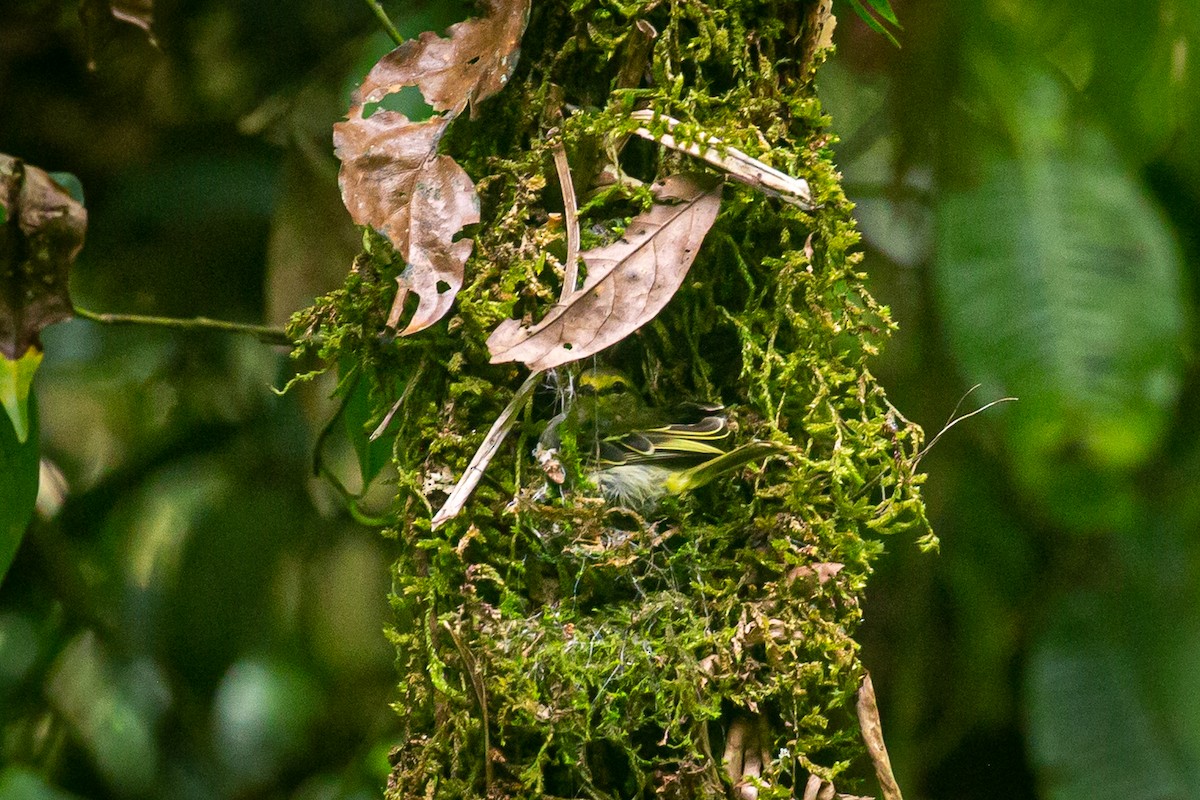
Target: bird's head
[602,382]
[607,401]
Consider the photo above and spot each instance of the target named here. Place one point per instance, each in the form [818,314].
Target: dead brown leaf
[139,13]
[628,281]
[100,20]
[472,63]
[391,181]
[41,232]
[824,572]
[392,178]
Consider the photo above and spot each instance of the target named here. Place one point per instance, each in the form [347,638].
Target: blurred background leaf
[196,616]
[19,462]
[1026,180]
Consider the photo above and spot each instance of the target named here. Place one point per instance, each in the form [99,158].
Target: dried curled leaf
[41,233]
[628,281]
[392,178]
[102,18]
[471,64]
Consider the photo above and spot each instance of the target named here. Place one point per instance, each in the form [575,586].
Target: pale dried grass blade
[483,456]
[734,162]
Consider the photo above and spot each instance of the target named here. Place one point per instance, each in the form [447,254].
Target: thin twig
[264,333]
[734,162]
[503,424]
[570,219]
[385,21]
[483,456]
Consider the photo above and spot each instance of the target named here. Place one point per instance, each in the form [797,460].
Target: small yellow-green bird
[636,455]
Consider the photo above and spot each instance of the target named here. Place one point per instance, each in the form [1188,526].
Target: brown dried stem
[872,732]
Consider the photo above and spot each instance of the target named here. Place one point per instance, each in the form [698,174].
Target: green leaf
[1096,731]
[871,21]
[360,423]
[19,462]
[374,455]
[884,9]
[16,378]
[1061,284]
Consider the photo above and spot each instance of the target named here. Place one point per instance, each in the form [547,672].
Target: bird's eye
[616,386]
[586,388]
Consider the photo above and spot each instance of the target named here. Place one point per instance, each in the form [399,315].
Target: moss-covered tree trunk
[548,644]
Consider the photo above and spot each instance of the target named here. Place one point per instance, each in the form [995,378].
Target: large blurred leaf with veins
[1060,284]
[1096,725]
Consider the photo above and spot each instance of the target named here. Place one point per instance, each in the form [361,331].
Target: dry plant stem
[483,456]
[385,21]
[734,162]
[872,732]
[263,333]
[955,420]
[387,420]
[570,219]
[503,424]
[480,687]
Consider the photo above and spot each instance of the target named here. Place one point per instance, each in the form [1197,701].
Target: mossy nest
[549,645]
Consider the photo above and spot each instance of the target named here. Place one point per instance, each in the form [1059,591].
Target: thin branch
[503,424]
[734,162]
[264,333]
[385,21]
[483,456]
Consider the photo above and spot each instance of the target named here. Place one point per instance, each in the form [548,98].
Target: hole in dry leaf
[639,159]
[566,345]
[442,287]
[407,101]
[410,308]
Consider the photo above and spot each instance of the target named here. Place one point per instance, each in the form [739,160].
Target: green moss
[548,645]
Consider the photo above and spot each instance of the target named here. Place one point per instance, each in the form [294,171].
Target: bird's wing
[678,444]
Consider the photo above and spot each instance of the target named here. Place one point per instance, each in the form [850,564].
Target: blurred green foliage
[191,614]
[18,482]
[1026,175]
[201,619]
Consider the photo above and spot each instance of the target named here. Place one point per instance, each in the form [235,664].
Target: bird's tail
[697,476]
